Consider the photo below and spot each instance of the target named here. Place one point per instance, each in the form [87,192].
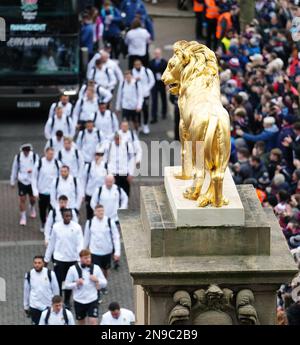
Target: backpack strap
[57,165]
[95,116]
[51,143]
[34,157]
[65,315]
[98,136]
[79,270]
[99,194]
[111,235]
[120,201]
[40,165]
[147,74]
[56,186]
[107,74]
[28,277]
[77,159]
[88,172]
[59,156]
[19,160]
[47,315]
[52,123]
[68,123]
[80,109]
[82,136]
[75,184]
[112,120]
[49,275]
[53,216]
[92,269]
[94,73]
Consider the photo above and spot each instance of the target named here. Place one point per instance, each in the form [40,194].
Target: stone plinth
[157,277]
[167,239]
[187,213]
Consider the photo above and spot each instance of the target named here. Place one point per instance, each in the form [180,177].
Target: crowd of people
[93,146]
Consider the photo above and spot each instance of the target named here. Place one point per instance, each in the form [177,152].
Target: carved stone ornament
[214,306]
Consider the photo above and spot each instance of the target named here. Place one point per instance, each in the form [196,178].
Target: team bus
[40,56]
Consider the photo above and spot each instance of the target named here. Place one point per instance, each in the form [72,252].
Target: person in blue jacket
[112,21]
[131,8]
[87,34]
[268,135]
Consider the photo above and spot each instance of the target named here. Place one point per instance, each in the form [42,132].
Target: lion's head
[190,60]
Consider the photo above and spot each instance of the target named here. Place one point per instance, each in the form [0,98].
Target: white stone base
[187,213]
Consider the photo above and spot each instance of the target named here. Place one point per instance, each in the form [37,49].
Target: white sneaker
[154,2]
[42,229]
[23,221]
[146,129]
[32,213]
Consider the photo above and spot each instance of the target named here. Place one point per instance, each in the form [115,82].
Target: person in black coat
[158,66]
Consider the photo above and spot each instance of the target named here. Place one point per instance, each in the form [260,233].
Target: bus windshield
[42,38]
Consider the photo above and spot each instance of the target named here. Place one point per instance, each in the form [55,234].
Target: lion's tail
[209,137]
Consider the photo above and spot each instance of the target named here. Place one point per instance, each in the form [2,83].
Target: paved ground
[18,245]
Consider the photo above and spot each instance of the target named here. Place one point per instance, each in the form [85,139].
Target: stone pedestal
[165,258]
[187,213]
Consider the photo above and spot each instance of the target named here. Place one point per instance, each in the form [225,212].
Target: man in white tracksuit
[59,122]
[102,237]
[130,99]
[21,172]
[40,285]
[68,185]
[88,139]
[44,172]
[106,121]
[72,157]
[65,244]
[85,279]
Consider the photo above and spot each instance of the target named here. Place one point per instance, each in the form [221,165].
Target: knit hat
[234,62]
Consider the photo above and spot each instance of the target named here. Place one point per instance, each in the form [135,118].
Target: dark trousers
[159,89]
[61,269]
[115,42]
[35,315]
[145,111]
[122,182]
[132,58]
[211,34]
[89,210]
[44,207]
[199,22]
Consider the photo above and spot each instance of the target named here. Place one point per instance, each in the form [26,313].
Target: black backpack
[64,315]
[110,230]
[40,165]
[79,270]
[48,273]
[100,191]
[75,184]
[19,159]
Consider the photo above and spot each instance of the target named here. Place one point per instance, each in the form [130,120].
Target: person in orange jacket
[198,10]
[224,24]
[211,17]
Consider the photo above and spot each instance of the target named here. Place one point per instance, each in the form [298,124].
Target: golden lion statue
[192,74]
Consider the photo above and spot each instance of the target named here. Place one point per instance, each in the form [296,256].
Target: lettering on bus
[2,30]
[28,27]
[29,9]
[28,42]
